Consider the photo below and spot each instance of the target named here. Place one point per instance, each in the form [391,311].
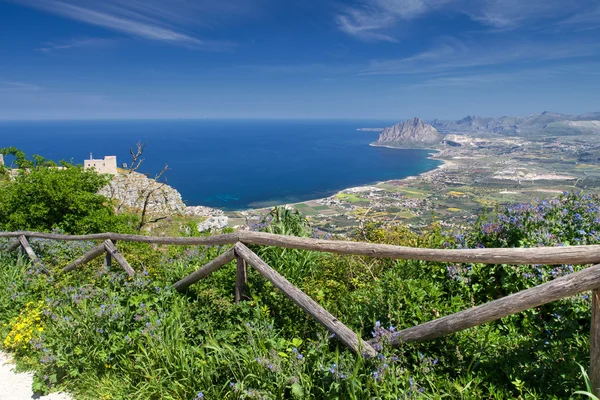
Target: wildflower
[199,396]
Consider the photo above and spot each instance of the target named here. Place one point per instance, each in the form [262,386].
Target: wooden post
[311,307]
[241,278]
[594,373]
[108,257]
[110,248]
[206,270]
[25,244]
[87,257]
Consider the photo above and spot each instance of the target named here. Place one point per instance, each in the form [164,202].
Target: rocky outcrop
[412,133]
[129,191]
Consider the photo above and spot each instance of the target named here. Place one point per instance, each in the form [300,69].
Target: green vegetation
[42,196]
[351,198]
[102,335]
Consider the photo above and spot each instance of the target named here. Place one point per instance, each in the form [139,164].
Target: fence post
[311,307]
[594,372]
[25,245]
[108,257]
[110,248]
[241,278]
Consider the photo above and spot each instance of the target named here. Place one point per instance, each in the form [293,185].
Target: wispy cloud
[73,43]
[367,21]
[375,20]
[452,54]
[152,19]
[18,87]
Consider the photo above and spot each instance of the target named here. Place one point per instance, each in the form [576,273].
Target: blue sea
[231,164]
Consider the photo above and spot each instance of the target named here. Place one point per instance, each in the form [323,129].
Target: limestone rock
[213,223]
[203,211]
[131,188]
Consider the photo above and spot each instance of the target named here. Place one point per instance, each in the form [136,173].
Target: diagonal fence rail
[566,286]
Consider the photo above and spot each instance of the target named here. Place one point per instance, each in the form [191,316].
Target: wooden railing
[585,280]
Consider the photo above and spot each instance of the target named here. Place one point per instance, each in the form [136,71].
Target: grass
[350,198]
[101,335]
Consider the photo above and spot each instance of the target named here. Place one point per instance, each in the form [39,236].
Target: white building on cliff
[106,166]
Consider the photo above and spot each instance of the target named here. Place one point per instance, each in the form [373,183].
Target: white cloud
[367,21]
[375,19]
[152,19]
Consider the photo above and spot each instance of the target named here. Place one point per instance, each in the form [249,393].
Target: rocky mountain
[130,189]
[412,133]
[546,122]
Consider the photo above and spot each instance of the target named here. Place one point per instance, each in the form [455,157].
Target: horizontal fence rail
[585,280]
[589,254]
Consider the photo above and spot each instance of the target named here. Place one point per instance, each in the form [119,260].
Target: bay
[231,164]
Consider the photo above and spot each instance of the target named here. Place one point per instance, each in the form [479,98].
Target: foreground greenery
[99,334]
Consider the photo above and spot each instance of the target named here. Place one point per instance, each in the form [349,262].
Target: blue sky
[387,59]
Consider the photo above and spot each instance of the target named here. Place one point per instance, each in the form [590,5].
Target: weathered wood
[311,307]
[594,373]
[191,241]
[118,257]
[86,258]
[14,245]
[25,245]
[206,270]
[108,257]
[559,288]
[241,279]
[538,255]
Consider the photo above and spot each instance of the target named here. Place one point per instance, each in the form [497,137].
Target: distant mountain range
[546,122]
[418,133]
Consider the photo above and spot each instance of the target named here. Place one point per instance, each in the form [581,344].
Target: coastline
[402,148]
[443,165]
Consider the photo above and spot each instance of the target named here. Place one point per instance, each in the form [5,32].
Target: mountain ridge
[515,126]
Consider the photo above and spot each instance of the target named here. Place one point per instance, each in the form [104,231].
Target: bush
[44,196]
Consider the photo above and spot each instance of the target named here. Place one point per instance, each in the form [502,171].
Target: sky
[363,59]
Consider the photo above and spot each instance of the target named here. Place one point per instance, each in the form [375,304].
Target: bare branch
[136,160]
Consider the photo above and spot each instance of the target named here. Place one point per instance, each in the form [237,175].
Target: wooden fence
[585,280]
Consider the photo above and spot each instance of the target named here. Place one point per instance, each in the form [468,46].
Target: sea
[231,164]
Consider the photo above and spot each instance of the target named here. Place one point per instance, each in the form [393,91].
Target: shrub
[44,196]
